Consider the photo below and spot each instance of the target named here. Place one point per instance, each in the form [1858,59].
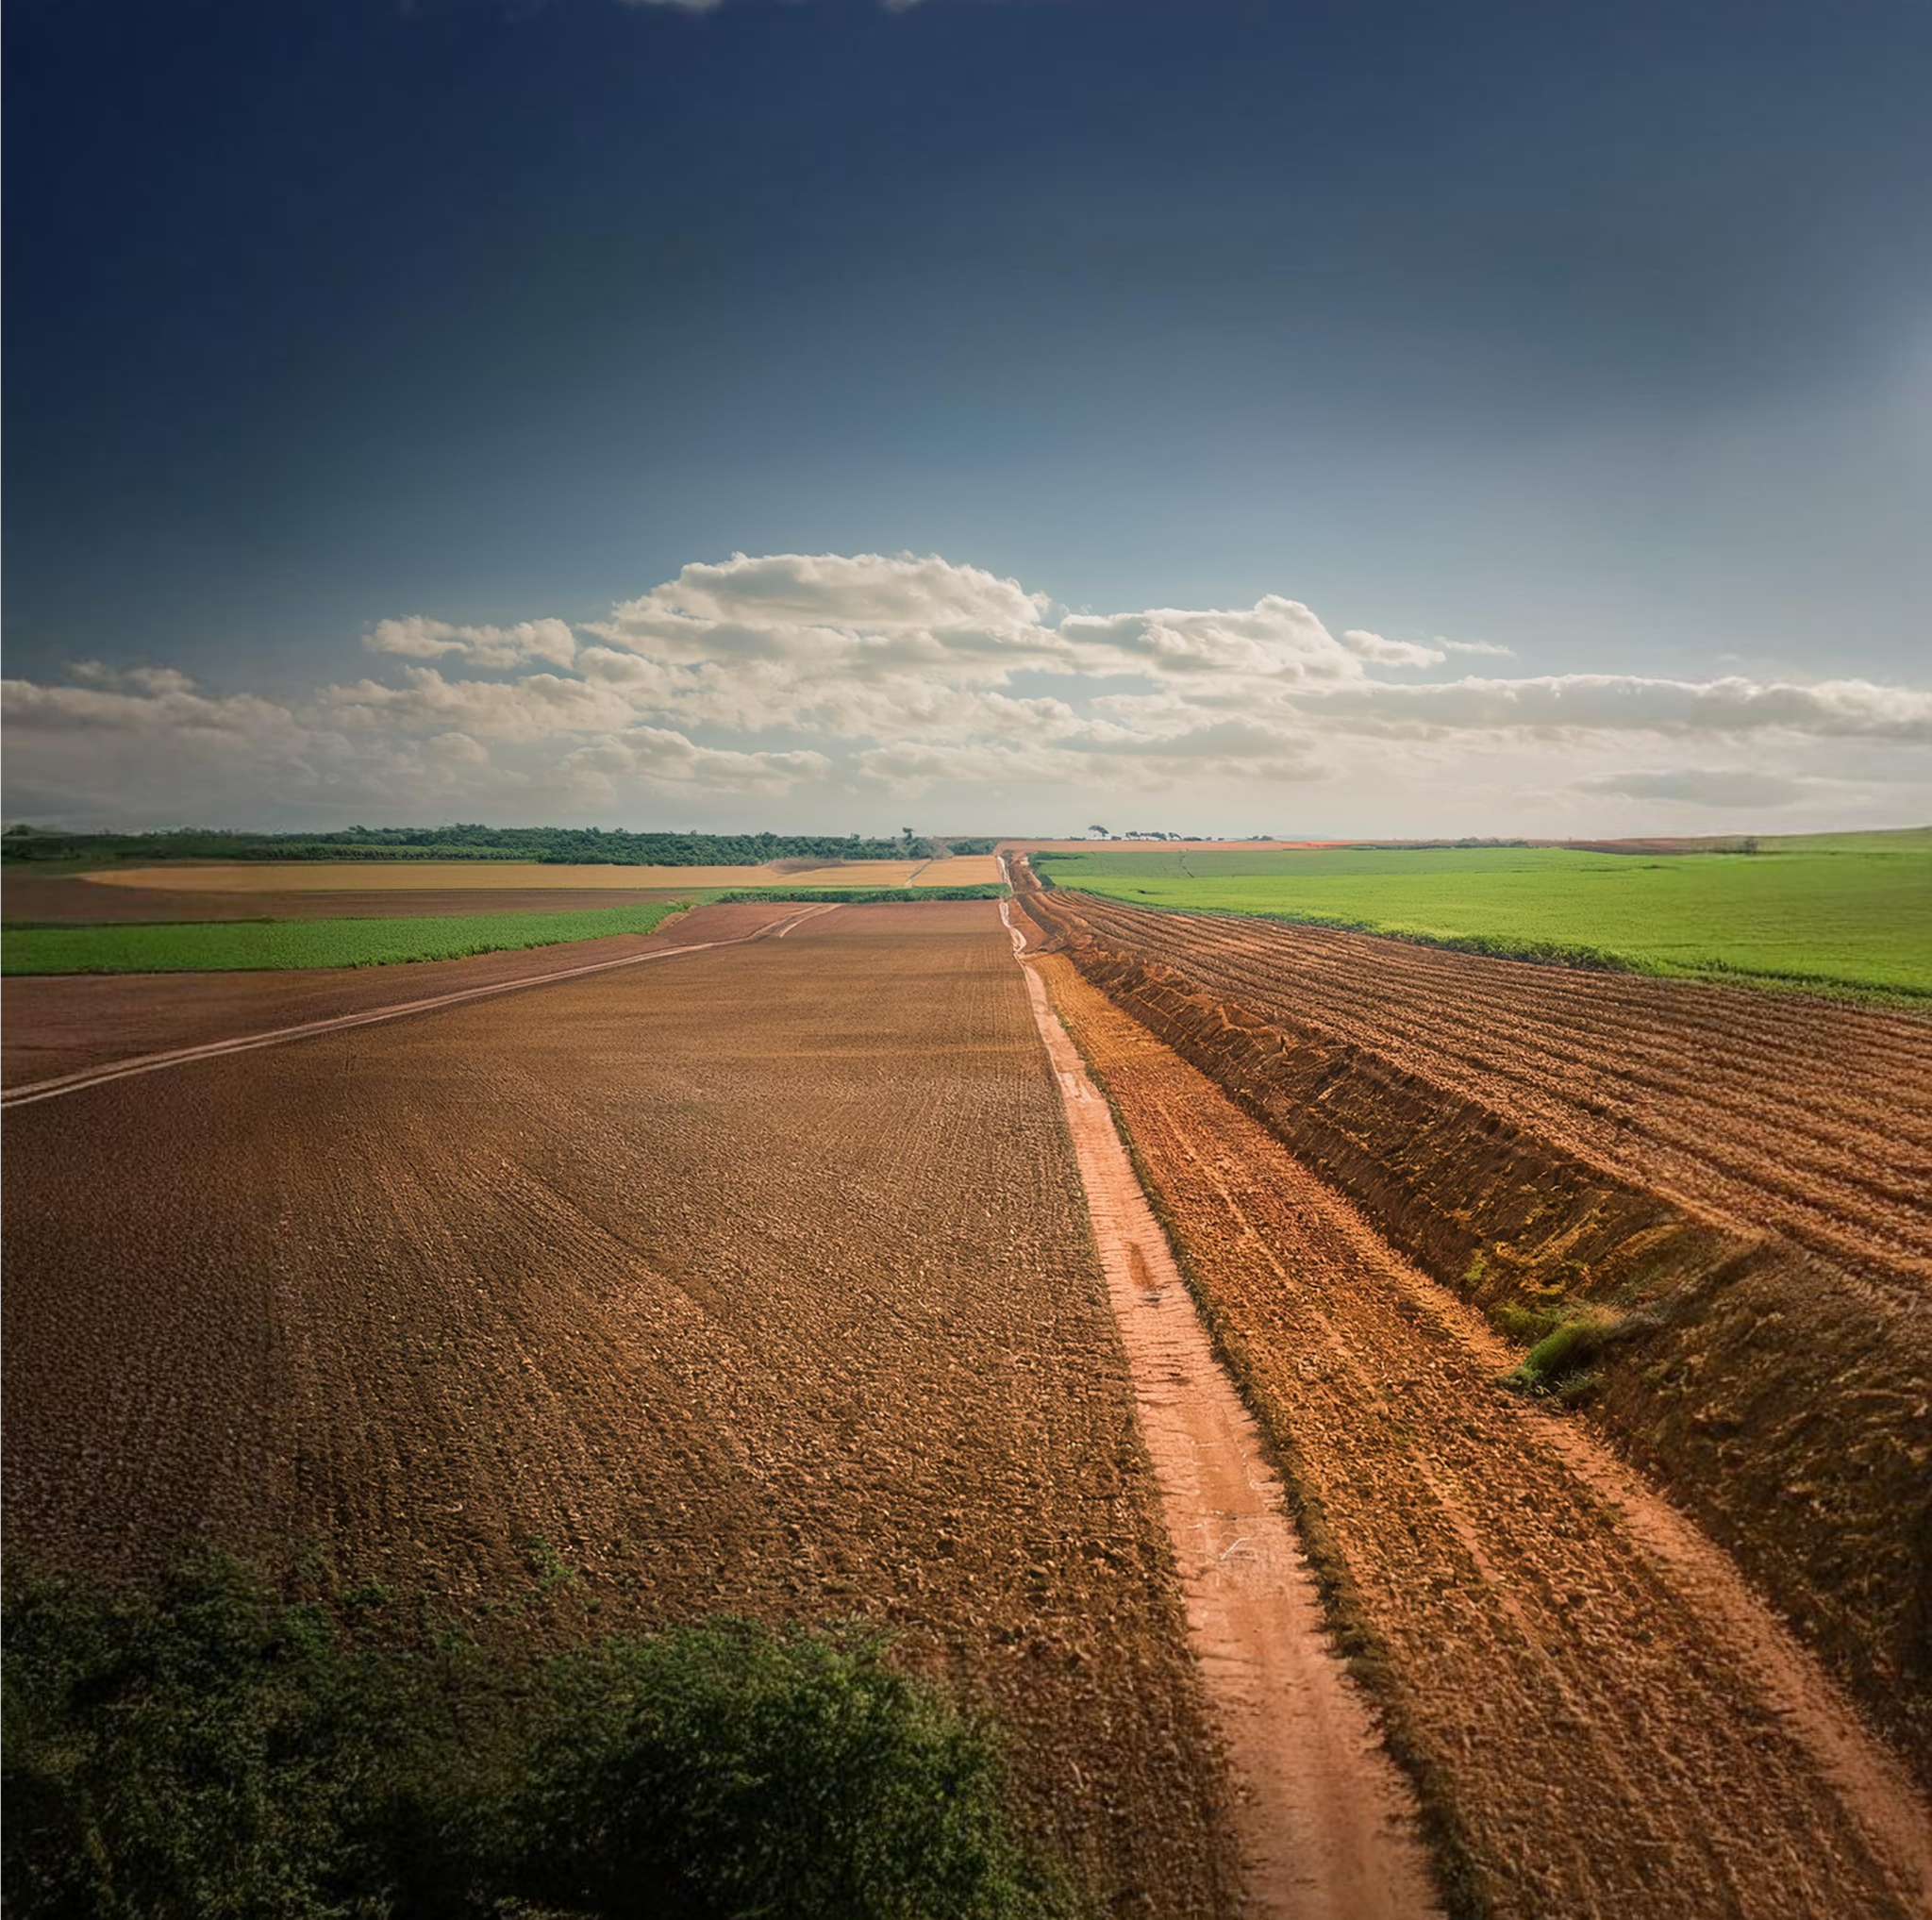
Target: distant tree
[1748,844]
[1100,831]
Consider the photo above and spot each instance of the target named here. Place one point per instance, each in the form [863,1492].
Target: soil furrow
[756,1282]
[1805,1127]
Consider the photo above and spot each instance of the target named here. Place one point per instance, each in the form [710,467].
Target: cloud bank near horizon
[849,686]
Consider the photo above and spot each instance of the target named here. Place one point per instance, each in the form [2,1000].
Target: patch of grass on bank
[214,1750]
[1559,1366]
[865,896]
[1839,912]
[231,946]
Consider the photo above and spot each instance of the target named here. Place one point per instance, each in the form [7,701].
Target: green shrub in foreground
[213,1752]
[1560,1363]
[733,1771]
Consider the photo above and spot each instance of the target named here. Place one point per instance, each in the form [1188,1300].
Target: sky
[989,415]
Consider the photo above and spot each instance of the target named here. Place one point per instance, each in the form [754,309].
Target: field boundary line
[34,1091]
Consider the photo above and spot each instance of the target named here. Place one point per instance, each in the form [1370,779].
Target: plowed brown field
[1763,1110]
[1728,1177]
[1604,1719]
[755,1281]
[61,1023]
[467,877]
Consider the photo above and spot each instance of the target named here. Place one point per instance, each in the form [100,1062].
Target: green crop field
[1838,913]
[227,946]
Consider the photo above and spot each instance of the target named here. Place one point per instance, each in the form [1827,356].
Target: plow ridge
[1782,1396]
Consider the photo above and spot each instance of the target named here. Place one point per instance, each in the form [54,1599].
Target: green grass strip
[230,945]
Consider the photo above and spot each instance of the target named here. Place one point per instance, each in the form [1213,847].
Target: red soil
[1761,1111]
[61,1023]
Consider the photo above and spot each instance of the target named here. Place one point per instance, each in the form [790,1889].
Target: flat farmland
[253,946]
[1848,913]
[755,1281]
[962,869]
[33,899]
[63,1024]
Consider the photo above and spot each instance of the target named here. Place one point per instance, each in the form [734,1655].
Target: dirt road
[1602,1718]
[1327,1826]
[61,1086]
[754,1281]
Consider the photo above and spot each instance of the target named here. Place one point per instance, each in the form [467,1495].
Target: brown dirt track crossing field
[59,1023]
[754,1281]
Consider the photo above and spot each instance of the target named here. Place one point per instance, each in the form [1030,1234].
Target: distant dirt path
[183,1056]
[1326,1823]
[1606,1720]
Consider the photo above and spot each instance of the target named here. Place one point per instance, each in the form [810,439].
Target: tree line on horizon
[571,845]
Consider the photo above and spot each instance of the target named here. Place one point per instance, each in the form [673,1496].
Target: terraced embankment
[1738,1180]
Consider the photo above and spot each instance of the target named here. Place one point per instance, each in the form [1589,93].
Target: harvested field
[1603,1718]
[962,869]
[336,876]
[66,1023]
[754,1281]
[1724,1180]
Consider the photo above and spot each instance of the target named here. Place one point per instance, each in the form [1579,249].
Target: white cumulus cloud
[416,638]
[832,678]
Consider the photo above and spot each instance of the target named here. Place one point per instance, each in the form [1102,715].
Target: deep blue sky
[1600,332]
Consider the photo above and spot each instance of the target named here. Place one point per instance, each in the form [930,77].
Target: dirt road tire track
[1605,1717]
[1327,1826]
[33,1091]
